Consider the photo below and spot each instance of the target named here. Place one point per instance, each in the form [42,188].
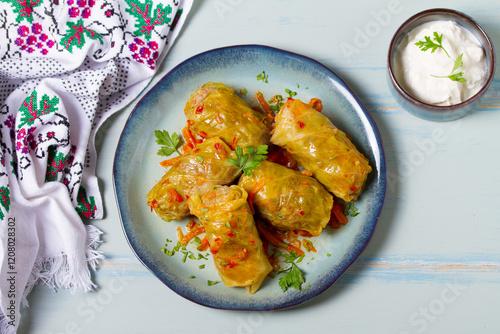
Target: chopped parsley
[275,103]
[350,210]
[263,77]
[185,256]
[167,252]
[290,93]
[210,283]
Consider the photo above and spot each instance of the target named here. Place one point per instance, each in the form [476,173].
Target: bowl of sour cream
[440,63]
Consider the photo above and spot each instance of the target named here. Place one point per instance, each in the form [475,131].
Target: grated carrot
[194,231]
[263,103]
[188,136]
[277,241]
[338,211]
[251,118]
[306,173]
[170,162]
[204,244]
[251,194]
[218,118]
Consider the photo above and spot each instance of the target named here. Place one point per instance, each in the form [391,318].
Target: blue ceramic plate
[136,170]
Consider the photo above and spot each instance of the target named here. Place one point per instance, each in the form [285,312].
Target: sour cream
[414,68]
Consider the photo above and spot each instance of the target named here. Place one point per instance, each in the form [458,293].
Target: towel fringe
[5,328]
[56,272]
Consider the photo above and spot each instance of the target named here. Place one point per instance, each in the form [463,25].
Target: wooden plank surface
[433,264]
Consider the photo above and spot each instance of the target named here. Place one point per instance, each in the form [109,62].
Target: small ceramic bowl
[429,111]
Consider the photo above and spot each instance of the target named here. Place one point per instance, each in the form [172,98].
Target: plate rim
[381,175]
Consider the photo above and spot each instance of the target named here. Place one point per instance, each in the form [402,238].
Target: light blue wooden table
[433,264]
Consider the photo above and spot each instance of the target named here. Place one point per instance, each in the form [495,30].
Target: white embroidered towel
[65,67]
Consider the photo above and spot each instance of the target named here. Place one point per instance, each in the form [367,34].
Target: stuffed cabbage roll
[215,111]
[322,149]
[234,240]
[204,167]
[288,199]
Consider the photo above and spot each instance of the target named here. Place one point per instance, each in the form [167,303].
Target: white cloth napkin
[65,67]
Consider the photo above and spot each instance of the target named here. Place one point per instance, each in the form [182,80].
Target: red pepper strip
[174,196]
[234,143]
[199,109]
[219,149]
[153,204]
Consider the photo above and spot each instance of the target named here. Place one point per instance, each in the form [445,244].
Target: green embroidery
[176,19]
[4,201]
[13,164]
[24,8]
[86,205]
[75,35]
[30,112]
[145,23]
[55,164]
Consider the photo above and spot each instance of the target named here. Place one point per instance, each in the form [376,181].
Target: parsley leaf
[292,279]
[458,63]
[457,77]
[169,143]
[454,76]
[262,76]
[429,44]
[249,160]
